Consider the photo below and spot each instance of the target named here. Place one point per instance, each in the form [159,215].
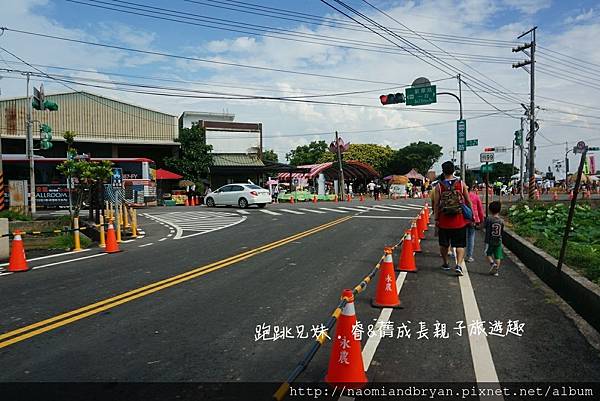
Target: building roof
[208,116]
[236,160]
[352,169]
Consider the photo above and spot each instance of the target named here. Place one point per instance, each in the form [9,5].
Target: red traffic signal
[392,98]
[488,149]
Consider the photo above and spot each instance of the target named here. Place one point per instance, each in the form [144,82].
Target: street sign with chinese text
[420,95]
[461,135]
[486,157]
[472,142]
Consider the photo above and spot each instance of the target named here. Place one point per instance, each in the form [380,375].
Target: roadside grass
[544,226]
[11,215]
[66,241]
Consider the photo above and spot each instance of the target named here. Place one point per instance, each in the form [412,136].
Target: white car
[242,195]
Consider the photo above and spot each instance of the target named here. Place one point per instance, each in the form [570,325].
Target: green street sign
[461,135]
[420,95]
[472,142]
[486,168]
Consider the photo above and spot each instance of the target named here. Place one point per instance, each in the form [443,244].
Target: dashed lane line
[351,209]
[162,239]
[144,245]
[60,263]
[312,210]
[270,212]
[290,211]
[386,217]
[334,210]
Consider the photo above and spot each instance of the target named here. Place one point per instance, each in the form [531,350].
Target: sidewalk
[549,348]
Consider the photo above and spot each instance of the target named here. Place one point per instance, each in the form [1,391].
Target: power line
[196,59]
[258,30]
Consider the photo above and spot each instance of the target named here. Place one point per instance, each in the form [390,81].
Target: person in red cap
[451,218]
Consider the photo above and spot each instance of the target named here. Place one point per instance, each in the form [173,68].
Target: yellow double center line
[43,326]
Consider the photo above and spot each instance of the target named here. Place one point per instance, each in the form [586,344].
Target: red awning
[162,174]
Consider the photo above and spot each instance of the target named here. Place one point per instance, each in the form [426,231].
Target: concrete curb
[578,291]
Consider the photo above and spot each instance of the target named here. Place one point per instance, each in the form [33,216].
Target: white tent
[517,176]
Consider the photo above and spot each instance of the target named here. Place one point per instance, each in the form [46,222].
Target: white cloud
[465,18]
[529,7]
[582,17]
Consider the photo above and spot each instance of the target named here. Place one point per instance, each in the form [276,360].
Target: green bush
[11,215]
[545,225]
[66,241]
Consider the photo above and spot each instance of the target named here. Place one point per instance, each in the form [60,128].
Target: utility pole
[521,164]
[512,163]
[339,155]
[532,123]
[462,152]
[566,164]
[30,151]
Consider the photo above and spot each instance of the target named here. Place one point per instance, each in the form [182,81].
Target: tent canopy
[352,169]
[162,174]
[414,174]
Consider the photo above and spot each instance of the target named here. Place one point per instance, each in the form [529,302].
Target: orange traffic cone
[537,194]
[426,214]
[421,226]
[17,261]
[187,203]
[362,198]
[315,199]
[292,201]
[346,363]
[407,256]
[335,198]
[111,239]
[386,295]
[192,201]
[349,198]
[414,233]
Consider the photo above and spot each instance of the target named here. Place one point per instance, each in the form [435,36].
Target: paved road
[182,304]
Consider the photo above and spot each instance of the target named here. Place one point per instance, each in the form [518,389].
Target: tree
[195,156]
[87,175]
[375,155]
[270,155]
[418,155]
[307,154]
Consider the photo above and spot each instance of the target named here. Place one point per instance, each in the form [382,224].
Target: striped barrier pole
[102,243]
[133,223]
[76,239]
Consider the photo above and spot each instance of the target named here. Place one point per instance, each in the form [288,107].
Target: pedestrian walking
[493,237]
[453,211]
[371,188]
[478,216]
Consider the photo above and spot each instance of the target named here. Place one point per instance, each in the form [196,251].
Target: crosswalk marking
[270,212]
[385,207]
[351,209]
[242,211]
[290,211]
[333,210]
[312,210]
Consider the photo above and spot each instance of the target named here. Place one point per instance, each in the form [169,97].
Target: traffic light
[45,137]
[39,101]
[519,137]
[488,149]
[392,98]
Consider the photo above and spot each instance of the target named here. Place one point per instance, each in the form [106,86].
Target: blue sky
[566,26]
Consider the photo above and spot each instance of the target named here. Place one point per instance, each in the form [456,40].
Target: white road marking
[270,212]
[373,341]
[290,211]
[483,364]
[416,205]
[162,239]
[69,261]
[386,217]
[333,210]
[148,244]
[52,256]
[242,211]
[140,236]
[198,222]
[395,208]
[312,210]
[351,209]
[409,206]
[126,241]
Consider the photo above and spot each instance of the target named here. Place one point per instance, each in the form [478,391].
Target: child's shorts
[495,251]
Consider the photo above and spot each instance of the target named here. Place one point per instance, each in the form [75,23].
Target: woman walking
[478,216]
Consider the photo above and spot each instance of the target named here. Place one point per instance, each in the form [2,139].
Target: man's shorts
[495,251]
[456,237]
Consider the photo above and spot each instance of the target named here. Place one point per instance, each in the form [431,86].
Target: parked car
[242,195]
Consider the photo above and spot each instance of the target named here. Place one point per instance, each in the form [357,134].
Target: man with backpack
[453,213]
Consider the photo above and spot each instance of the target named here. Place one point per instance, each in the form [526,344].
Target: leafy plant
[11,215]
[545,226]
